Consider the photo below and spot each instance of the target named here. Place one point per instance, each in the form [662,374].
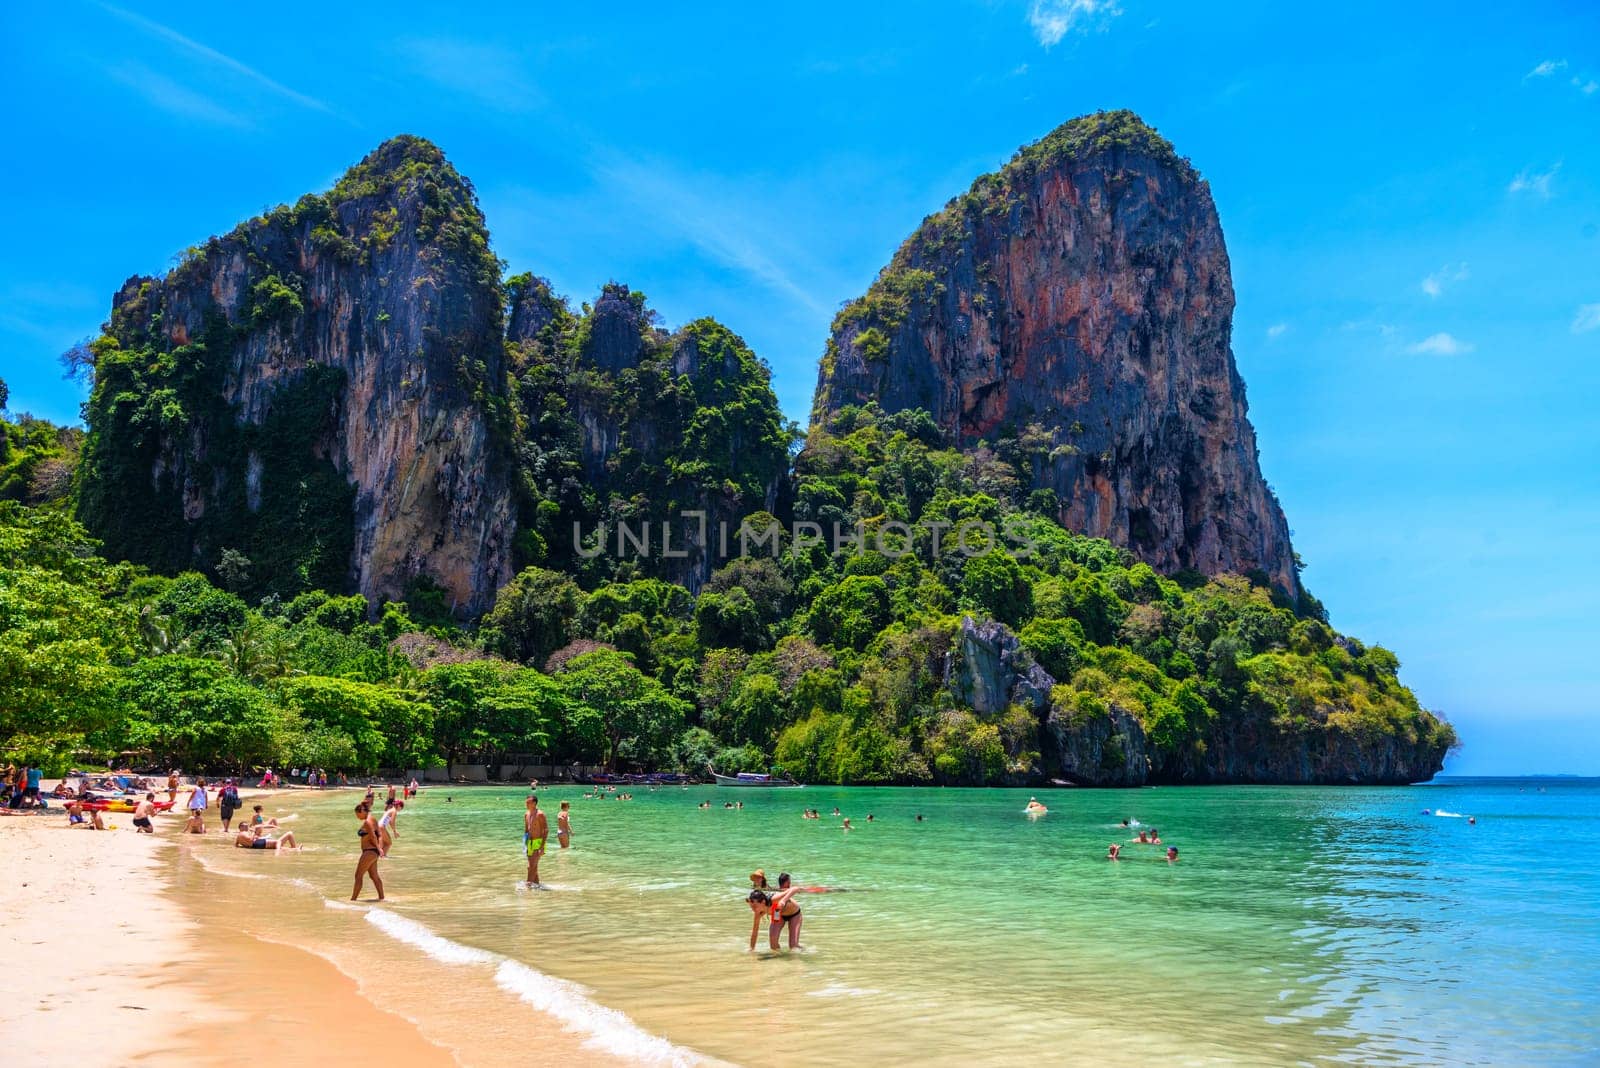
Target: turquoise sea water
[1301,924]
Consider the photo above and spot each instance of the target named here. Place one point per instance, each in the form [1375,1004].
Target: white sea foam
[343,906]
[1447,815]
[415,934]
[841,990]
[215,869]
[608,1029]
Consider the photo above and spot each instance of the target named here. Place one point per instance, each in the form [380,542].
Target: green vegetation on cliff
[839,664]
[624,423]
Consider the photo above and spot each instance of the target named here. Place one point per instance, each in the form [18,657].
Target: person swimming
[758,880]
[1155,836]
[1114,851]
[1172,854]
[1035,808]
[1143,839]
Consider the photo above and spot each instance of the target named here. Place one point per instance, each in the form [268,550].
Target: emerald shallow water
[1302,924]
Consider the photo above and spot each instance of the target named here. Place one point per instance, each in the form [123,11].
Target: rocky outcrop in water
[1076,307]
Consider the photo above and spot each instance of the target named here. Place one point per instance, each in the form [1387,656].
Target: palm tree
[244,650]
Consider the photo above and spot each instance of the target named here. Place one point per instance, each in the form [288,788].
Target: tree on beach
[613,700]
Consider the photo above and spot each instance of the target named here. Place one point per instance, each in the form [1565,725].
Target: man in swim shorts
[256,838]
[142,813]
[535,827]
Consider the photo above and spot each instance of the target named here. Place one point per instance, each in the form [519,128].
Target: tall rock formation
[1077,304]
[320,392]
[630,425]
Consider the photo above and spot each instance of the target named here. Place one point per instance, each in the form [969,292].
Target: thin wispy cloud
[1440,345]
[211,55]
[1277,330]
[1051,20]
[1534,183]
[1587,319]
[493,75]
[1436,283]
[1546,69]
[1586,86]
[695,212]
[171,97]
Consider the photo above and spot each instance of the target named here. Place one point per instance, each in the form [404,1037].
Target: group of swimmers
[1150,837]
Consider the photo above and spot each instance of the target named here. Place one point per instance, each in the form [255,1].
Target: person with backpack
[228,801]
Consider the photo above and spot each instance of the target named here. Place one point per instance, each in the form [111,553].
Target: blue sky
[1409,194]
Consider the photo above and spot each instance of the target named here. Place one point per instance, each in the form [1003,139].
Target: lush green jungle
[829,662]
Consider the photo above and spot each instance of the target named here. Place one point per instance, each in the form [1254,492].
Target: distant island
[350,497]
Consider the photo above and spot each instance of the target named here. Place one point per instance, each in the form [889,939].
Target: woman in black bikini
[776,906]
[371,852]
[780,909]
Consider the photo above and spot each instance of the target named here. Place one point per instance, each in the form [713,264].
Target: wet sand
[134,955]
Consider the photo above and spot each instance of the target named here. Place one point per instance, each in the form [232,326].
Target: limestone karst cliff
[1077,306]
[319,393]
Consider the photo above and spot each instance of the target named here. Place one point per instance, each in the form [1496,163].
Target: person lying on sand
[257,838]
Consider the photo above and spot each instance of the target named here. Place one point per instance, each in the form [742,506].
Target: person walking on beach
[564,825]
[228,802]
[172,788]
[535,826]
[371,852]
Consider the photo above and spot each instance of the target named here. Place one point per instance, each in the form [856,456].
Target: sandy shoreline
[118,965]
[134,952]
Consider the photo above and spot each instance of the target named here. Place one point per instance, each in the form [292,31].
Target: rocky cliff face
[1077,306]
[630,425]
[1102,743]
[355,339]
